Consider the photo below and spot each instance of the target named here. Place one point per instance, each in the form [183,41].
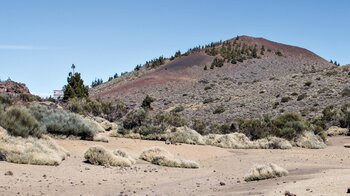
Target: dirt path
[312,172]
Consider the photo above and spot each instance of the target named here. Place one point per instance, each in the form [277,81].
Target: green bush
[107,110]
[134,118]
[301,97]
[148,130]
[308,83]
[346,92]
[288,126]
[219,110]
[169,118]
[5,99]
[285,99]
[254,128]
[199,126]
[60,122]
[147,101]
[19,122]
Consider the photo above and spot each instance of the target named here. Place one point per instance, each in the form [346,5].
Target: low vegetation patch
[334,131]
[60,122]
[19,122]
[185,135]
[30,150]
[162,157]
[262,172]
[98,155]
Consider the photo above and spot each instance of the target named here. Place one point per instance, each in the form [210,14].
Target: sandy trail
[312,172]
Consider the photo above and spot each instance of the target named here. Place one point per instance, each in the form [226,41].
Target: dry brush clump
[262,172]
[98,155]
[185,135]
[335,131]
[162,157]
[241,141]
[30,150]
[309,140]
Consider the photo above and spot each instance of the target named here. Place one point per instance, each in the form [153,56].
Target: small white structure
[58,94]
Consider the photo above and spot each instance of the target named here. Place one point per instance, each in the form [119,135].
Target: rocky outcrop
[13,88]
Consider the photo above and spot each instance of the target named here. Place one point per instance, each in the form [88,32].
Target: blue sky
[39,40]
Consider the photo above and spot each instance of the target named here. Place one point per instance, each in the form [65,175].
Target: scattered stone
[287,193]
[9,173]
[348,190]
[222,184]
[347,145]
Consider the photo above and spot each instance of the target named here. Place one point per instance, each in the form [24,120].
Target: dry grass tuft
[262,172]
[309,140]
[121,153]
[100,138]
[185,135]
[162,157]
[273,143]
[334,131]
[98,155]
[30,150]
[233,140]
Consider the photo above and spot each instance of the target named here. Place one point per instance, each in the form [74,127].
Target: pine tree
[75,87]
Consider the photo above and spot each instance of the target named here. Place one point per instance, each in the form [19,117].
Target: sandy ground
[312,172]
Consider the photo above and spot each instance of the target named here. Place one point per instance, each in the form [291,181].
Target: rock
[334,131]
[348,190]
[2,157]
[9,173]
[167,142]
[287,193]
[222,184]
[347,145]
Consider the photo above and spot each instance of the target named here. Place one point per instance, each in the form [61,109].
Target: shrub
[279,53]
[151,131]
[65,123]
[5,99]
[301,97]
[19,122]
[262,172]
[162,157]
[208,100]
[199,126]
[308,83]
[31,150]
[346,92]
[98,155]
[134,118]
[146,103]
[254,128]
[178,109]
[169,118]
[186,135]
[285,99]
[289,125]
[107,110]
[219,110]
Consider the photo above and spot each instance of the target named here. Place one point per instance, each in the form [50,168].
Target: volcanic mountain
[241,77]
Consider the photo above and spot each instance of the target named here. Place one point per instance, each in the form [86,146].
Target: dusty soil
[312,172]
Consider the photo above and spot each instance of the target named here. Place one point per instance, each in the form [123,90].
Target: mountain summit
[246,76]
